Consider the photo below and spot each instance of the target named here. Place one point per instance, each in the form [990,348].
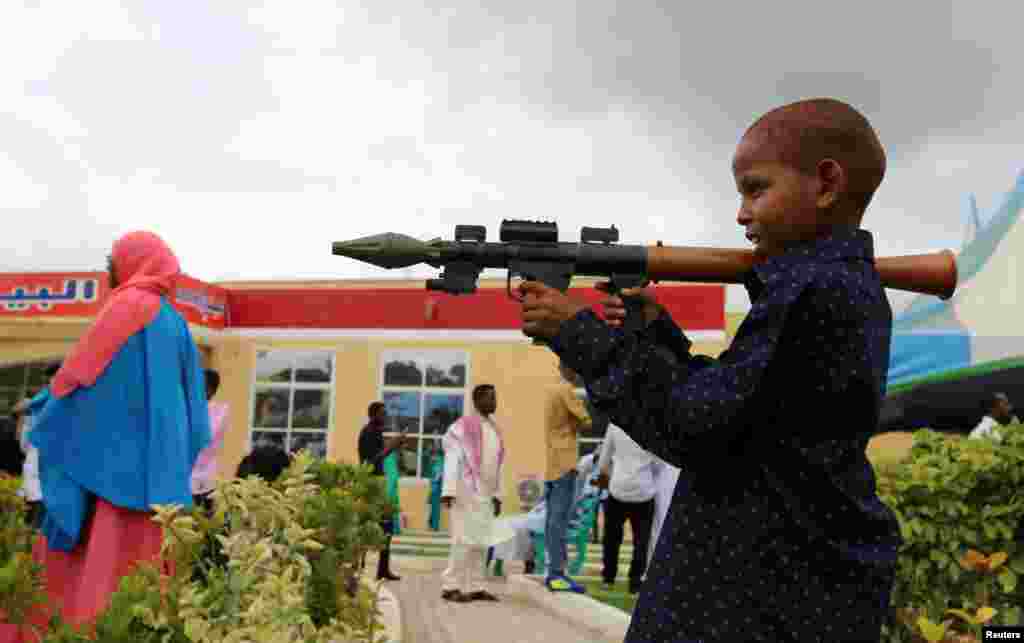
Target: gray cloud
[711,72]
[173,100]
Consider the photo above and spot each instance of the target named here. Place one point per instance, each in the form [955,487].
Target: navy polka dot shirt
[775,532]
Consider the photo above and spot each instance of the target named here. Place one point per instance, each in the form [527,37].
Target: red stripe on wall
[693,306]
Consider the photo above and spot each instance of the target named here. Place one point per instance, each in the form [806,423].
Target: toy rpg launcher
[531,251]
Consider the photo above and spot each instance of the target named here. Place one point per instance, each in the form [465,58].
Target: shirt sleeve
[661,395]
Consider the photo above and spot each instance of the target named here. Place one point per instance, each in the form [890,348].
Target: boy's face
[780,206]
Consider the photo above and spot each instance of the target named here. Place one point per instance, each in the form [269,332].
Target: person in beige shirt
[564,415]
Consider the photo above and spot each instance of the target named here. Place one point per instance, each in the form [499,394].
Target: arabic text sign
[44,294]
[200,303]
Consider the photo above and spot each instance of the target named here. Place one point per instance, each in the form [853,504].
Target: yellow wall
[520,372]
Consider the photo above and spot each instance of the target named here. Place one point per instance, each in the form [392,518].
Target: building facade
[301,361]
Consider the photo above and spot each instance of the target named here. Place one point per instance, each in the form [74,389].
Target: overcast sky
[250,137]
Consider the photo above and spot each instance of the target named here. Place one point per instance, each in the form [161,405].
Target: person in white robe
[472,489]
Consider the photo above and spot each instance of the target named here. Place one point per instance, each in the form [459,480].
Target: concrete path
[517,618]
[527,612]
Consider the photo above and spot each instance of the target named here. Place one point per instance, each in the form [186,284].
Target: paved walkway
[426,618]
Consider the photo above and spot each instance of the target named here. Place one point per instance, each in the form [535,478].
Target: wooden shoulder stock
[931,274]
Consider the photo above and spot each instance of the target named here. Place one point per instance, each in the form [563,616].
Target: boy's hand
[615,310]
[544,309]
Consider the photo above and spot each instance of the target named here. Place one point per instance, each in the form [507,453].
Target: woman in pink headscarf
[125,420]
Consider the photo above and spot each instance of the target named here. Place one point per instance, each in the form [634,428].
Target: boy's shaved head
[804,133]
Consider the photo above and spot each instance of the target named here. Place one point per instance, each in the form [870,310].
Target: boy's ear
[832,181]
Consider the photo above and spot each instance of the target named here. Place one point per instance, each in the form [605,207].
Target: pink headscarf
[146,268]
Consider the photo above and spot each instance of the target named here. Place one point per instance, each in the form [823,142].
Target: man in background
[1000,413]
[564,415]
[472,490]
[627,471]
[373,449]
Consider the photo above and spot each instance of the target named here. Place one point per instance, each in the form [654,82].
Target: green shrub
[21,578]
[270,564]
[953,496]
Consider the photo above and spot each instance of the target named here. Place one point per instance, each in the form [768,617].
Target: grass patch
[618,597]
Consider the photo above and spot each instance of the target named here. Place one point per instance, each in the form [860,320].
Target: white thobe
[472,513]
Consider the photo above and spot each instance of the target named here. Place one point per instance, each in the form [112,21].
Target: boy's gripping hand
[615,309]
[545,308]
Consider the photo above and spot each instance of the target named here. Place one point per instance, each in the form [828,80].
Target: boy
[780,536]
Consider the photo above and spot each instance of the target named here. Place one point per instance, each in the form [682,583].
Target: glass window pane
[311,409]
[268,438]
[446,369]
[273,366]
[313,367]
[313,441]
[403,408]
[270,409]
[401,368]
[441,410]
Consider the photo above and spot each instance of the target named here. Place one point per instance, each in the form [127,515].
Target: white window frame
[423,391]
[291,387]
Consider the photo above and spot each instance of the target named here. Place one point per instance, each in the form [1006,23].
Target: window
[20,381]
[424,393]
[590,438]
[292,401]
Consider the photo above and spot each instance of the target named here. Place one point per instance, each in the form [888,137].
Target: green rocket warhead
[391,250]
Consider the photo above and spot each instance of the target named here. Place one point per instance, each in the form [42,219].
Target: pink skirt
[81,582]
